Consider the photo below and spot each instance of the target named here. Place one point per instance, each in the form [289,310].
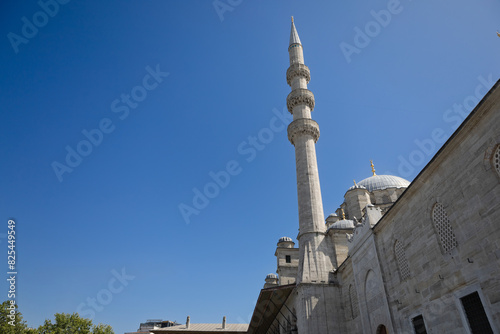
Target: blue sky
[206,84]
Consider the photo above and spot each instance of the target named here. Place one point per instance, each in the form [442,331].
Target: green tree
[11,323]
[103,329]
[66,323]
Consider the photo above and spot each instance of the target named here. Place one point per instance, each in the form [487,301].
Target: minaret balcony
[296,70]
[303,126]
[298,97]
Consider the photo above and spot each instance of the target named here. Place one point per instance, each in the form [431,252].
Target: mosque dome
[333,217]
[379,182]
[285,239]
[344,224]
[272,276]
[357,186]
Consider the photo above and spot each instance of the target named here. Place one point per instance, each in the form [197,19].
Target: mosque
[395,257]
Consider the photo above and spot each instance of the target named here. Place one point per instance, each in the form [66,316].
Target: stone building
[395,257]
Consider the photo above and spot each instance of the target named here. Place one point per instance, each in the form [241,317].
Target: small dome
[272,276]
[344,224]
[332,218]
[379,182]
[357,186]
[285,239]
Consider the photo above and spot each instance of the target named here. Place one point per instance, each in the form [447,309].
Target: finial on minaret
[343,213]
[355,183]
[294,36]
[373,167]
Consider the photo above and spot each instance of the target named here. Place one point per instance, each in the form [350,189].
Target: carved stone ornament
[303,126]
[300,96]
[297,70]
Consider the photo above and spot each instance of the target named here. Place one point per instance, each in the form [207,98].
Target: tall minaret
[316,261]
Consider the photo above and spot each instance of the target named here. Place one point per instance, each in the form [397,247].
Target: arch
[381,329]
[443,228]
[489,155]
[371,286]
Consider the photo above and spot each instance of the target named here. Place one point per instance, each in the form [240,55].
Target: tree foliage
[66,323]
[11,322]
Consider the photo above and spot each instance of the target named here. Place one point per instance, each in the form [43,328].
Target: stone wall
[424,257]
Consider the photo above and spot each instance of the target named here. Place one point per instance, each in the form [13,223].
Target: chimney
[187,322]
[224,322]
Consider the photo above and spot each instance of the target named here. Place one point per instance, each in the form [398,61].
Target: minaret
[316,296]
[315,262]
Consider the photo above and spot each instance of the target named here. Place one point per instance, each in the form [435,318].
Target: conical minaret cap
[294,36]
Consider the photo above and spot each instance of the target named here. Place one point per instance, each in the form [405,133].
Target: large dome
[378,182]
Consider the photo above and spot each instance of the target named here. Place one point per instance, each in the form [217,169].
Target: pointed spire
[294,36]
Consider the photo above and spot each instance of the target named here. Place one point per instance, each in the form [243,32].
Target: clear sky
[114,114]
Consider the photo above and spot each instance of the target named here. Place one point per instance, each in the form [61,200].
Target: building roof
[294,36]
[268,305]
[204,328]
[357,186]
[379,182]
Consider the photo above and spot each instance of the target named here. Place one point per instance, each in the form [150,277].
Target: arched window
[381,329]
[353,296]
[443,228]
[495,160]
[404,268]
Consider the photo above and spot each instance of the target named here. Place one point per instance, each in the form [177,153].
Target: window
[288,259]
[418,325]
[353,296]
[495,160]
[404,268]
[443,228]
[476,315]
[381,329]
